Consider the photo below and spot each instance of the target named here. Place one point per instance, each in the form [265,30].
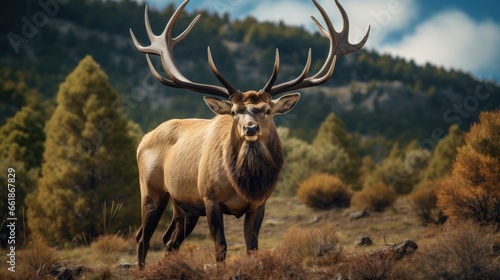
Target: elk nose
[251,129]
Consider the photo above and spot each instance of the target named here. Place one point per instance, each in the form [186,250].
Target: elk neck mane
[254,167]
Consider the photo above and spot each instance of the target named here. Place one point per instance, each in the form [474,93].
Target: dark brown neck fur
[254,167]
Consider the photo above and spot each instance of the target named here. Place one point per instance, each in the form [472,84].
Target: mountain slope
[374,94]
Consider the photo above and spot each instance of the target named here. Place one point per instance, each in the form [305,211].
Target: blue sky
[456,34]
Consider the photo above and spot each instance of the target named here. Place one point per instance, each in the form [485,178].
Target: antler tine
[274,76]
[232,90]
[269,88]
[163,45]
[159,77]
[339,46]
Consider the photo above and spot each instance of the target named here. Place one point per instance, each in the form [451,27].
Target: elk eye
[268,112]
[233,113]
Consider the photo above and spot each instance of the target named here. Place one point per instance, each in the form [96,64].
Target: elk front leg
[216,225]
[253,221]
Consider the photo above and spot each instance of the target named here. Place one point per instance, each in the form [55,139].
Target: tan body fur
[179,158]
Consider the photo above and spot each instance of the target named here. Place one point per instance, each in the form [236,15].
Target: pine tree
[89,160]
[444,154]
[333,140]
[22,138]
[472,190]
[401,170]
[21,148]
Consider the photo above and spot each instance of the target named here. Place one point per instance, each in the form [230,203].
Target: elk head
[252,111]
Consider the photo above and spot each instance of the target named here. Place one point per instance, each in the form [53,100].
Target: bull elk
[229,164]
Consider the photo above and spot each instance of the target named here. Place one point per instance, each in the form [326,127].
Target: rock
[67,273]
[358,215]
[403,249]
[364,241]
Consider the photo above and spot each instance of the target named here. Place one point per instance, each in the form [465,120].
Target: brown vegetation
[324,191]
[456,251]
[423,201]
[317,245]
[39,258]
[376,197]
[472,190]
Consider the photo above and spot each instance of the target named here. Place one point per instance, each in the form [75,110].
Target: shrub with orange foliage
[424,202]
[472,190]
[324,191]
[375,197]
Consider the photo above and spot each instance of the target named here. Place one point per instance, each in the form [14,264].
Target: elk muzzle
[251,131]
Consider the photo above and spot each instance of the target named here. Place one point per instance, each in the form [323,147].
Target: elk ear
[218,106]
[285,103]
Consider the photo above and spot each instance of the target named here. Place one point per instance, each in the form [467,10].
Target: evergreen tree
[472,190]
[22,138]
[21,148]
[444,154]
[89,160]
[333,140]
[401,170]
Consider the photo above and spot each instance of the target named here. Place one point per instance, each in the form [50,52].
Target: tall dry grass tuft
[313,246]
[101,273]
[324,191]
[174,266]
[363,265]
[456,251]
[39,258]
[109,248]
[263,265]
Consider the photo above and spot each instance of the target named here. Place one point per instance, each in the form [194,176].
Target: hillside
[374,94]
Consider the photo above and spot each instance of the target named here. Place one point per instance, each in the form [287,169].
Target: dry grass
[109,249]
[318,245]
[455,251]
[39,259]
[307,249]
[174,266]
[264,265]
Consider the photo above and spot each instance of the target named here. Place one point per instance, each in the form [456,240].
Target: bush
[324,191]
[173,266]
[472,190]
[109,248]
[318,245]
[107,244]
[263,265]
[458,251]
[39,257]
[376,197]
[423,201]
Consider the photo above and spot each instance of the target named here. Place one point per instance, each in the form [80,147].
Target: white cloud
[384,16]
[454,40]
[291,12]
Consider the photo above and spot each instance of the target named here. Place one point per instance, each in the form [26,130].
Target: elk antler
[163,45]
[339,46]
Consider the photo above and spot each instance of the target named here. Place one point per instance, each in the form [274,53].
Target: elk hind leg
[180,228]
[153,206]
